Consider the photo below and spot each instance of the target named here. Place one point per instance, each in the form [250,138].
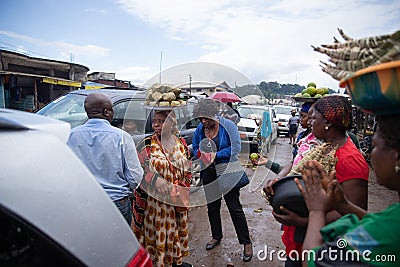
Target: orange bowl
[375,89]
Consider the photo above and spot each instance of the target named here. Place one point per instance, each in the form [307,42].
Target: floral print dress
[163,229]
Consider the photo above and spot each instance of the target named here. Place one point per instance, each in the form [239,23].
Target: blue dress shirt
[110,154]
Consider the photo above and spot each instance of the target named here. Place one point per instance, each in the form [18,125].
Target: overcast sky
[261,39]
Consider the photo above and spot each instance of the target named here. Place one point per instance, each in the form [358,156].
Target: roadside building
[27,83]
[205,88]
[108,79]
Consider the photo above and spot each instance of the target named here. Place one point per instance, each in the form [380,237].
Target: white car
[283,113]
[53,212]
[250,121]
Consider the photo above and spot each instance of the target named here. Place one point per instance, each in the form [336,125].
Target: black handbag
[231,175]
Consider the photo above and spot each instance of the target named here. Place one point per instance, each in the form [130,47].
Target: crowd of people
[149,181]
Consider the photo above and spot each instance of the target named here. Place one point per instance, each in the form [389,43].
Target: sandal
[247,257]
[212,244]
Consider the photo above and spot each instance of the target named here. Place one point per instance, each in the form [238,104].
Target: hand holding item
[162,186]
[207,158]
[267,191]
[261,160]
[316,198]
[332,187]
[180,197]
[207,151]
[289,217]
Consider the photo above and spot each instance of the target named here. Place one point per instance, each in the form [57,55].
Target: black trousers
[234,206]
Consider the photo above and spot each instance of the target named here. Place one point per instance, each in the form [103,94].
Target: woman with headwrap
[305,146]
[372,238]
[330,119]
[304,124]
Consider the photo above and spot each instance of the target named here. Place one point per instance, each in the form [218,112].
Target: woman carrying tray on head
[161,201]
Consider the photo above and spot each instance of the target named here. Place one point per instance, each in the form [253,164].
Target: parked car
[128,108]
[250,121]
[53,212]
[283,113]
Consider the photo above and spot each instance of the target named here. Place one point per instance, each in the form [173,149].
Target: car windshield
[246,111]
[283,110]
[68,108]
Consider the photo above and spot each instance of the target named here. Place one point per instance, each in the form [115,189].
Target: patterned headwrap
[336,109]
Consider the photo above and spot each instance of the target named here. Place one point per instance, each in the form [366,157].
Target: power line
[18,50]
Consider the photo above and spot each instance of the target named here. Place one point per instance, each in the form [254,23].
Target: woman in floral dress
[161,201]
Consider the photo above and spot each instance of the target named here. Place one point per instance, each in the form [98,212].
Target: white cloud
[65,49]
[85,51]
[137,75]
[267,40]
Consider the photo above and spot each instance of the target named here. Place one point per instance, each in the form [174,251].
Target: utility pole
[190,84]
[159,79]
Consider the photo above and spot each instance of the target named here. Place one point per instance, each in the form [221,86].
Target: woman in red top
[330,120]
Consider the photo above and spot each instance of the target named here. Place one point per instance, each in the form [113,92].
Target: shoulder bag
[231,175]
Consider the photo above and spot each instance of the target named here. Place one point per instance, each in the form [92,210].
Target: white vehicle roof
[21,119]
[43,182]
[247,123]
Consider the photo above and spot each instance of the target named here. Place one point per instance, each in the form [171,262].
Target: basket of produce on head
[288,195]
[163,96]
[375,89]
[311,94]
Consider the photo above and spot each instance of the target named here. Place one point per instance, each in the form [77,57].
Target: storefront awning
[62,82]
[93,86]
[45,79]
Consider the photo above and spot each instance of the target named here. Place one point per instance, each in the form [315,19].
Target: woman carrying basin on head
[161,201]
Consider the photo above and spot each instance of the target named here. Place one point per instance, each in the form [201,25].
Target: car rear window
[22,244]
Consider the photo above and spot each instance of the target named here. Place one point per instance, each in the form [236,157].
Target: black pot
[288,195]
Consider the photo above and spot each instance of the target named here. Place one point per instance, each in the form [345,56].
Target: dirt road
[264,230]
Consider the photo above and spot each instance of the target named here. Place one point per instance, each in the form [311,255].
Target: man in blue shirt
[108,152]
